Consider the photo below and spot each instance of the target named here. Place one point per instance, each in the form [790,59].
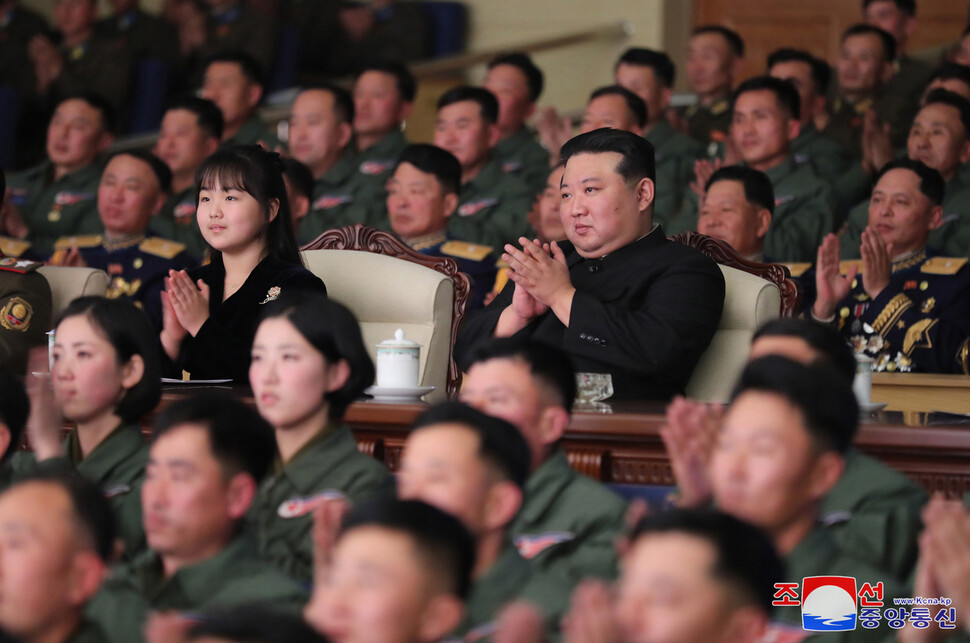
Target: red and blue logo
[829,604]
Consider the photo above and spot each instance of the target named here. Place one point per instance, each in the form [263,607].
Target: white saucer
[872,407]
[398,394]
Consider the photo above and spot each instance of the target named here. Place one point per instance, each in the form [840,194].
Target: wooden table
[922,392]
[624,445]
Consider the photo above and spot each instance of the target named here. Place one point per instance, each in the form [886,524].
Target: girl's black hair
[258,172]
[333,330]
[130,333]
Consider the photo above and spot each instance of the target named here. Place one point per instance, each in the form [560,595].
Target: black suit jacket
[643,313]
[222,346]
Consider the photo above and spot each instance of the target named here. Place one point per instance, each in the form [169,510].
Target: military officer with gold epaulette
[421,195]
[714,60]
[25,312]
[906,308]
[57,197]
[133,188]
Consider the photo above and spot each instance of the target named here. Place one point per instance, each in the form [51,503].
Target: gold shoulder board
[161,247]
[465,250]
[943,265]
[84,241]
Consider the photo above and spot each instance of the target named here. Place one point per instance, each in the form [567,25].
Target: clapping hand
[189,302]
[830,285]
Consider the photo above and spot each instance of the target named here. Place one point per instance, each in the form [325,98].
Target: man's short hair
[745,558]
[240,439]
[523,62]
[887,39]
[931,182]
[109,118]
[485,100]
[637,152]
[734,41]
[757,186]
[254,624]
[661,64]
[820,70]
[298,175]
[407,86]
[501,445]
[906,6]
[824,340]
[823,397]
[444,546]
[550,366]
[94,519]
[952,71]
[14,410]
[207,114]
[432,159]
[785,93]
[634,103]
[157,165]
[343,101]
[249,66]
[962,105]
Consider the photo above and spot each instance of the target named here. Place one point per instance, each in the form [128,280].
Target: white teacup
[397,362]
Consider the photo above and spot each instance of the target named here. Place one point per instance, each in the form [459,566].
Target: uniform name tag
[371,168]
[512,166]
[782,200]
[328,201]
[301,506]
[116,490]
[70,198]
[474,207]
[530,546]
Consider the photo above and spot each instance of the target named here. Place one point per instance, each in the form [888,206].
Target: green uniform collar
[660,133]
[490,175]
[341,172]
[327,449]
[390,146]
[250,133]
[502,582]
[782,171]
[544,486]
[116,449]
[814,553]
[194,584]
[509,146]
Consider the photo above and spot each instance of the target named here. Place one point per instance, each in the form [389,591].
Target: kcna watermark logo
[838,604]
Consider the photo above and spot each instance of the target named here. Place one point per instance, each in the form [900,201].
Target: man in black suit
[620,298]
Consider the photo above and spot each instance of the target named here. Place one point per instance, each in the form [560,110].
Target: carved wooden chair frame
[365,239]
[724,254]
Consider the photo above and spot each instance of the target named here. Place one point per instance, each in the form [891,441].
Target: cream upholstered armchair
[754,293]
[389,286]
[67,284]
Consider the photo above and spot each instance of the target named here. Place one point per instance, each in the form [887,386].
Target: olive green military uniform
[900,101]
[234,577]
[675,154]
[568,522]
[339,199]
[176,221]
[329,466]
[845,124]
[88,632]
[827,158]
[511,578]
[952,238]
[141,35]
[53,209]
[96,66]
[874,514]
[242,28]
[818,554]
[117,466]
[400,31]
[374,167]
[804,213]
[492,209]
[522,155]
[708,125]
[254,131]
[25,312]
